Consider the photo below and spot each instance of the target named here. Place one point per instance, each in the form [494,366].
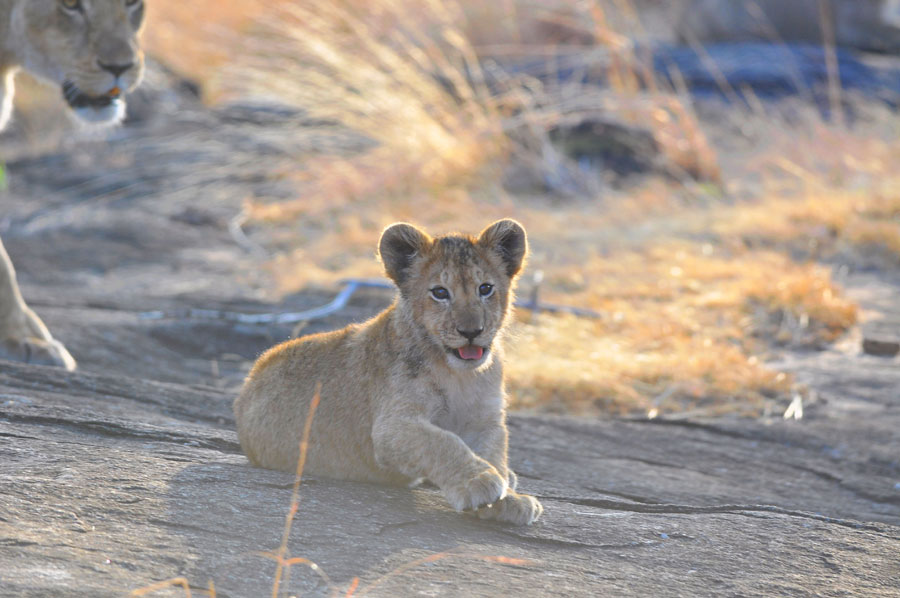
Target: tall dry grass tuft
[395,71]
[445,111]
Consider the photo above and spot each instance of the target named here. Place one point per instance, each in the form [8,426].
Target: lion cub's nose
[470,334]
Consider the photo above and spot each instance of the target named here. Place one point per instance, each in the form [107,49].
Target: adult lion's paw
[483,489]
[518,509]
[37,350]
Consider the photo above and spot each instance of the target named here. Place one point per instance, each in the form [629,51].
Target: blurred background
[702,179]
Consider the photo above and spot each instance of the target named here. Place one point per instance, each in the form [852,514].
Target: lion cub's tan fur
[398,400]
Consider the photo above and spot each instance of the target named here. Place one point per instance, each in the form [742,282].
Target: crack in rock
[112,429]
[736,509]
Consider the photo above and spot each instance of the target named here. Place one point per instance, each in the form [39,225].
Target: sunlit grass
[404,88]
[684,328]
[857,226]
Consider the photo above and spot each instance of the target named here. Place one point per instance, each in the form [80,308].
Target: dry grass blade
[826,21]
[281,553]
[175,581]
[288,562]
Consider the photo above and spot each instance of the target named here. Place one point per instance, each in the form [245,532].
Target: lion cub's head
[456,288]
[89,47]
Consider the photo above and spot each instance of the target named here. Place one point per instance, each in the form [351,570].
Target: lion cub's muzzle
[474,350]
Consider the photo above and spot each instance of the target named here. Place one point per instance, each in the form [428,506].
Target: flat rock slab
[111,484]
[128,471]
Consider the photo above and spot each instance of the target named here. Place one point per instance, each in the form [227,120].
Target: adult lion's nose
[116,69]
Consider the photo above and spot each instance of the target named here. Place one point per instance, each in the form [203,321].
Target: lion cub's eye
[440,293]
[71,4]
[485,289]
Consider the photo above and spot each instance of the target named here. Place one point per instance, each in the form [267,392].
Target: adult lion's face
[89,47]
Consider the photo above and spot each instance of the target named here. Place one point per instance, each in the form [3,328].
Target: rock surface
[113,483]
[128,471]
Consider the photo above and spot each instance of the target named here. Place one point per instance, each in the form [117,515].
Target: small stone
[881,347]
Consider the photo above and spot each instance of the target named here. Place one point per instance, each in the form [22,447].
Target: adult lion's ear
[507,239]
[400,244]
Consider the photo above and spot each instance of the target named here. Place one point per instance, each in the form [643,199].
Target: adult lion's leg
[6,96]
[23,336]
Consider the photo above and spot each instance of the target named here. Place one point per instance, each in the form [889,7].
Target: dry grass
[858,227]
[408,75]
[682,332]
[695,298]
[399,84]
[199,48]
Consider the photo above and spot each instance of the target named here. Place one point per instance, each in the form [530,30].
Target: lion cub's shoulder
[306,347]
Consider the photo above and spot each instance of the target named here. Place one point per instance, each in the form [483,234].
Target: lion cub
[416,392]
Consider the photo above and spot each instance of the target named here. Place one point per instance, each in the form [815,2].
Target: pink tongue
[471,352]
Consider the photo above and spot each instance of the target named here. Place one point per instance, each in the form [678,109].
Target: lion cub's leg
[417,448]
[23,336]
[515,508]
[491,444]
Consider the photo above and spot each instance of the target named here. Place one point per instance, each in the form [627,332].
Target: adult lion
[90,49]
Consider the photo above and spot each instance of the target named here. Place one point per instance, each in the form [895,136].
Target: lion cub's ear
[400,244]
[507,238]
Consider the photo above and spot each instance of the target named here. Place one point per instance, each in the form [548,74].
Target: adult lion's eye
[71,4]
[485,289]
[440,293]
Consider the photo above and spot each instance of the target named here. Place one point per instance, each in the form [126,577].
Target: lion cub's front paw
[483,489]
[518,509]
